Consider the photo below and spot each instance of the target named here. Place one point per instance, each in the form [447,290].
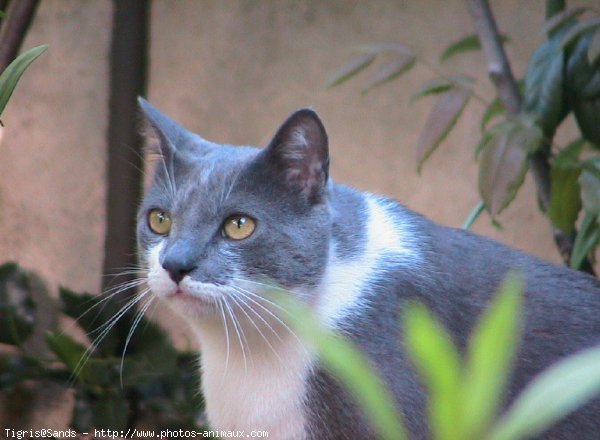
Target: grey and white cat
[218,221]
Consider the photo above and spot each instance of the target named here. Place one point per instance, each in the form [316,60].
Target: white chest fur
[262,393]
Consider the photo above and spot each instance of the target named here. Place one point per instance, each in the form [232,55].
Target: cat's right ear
[158,130]
[165,137]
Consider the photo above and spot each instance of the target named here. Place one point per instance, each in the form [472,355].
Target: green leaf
[565,200]
[438,363]
[355,66]
[590,188]
[586,240]
[558,20]
[504,160]
[11,75]
[441,85]
[495,108]
[390,70]
[440,122]
[555,393]
[466,44]
[491,351]
[578,30]
[346,362]
[66,349]
[544,83]
[594,48]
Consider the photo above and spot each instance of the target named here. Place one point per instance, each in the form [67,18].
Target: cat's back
[456,274]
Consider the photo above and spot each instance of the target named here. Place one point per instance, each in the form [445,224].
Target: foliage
[563,78]
[127,378]
[11,75]
[464,393]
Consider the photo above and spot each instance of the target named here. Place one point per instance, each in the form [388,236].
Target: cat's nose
[178,268]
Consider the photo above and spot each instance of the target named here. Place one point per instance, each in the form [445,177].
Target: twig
[501,75]
[14,27]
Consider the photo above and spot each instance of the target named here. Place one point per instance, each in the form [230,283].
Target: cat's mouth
[193,297]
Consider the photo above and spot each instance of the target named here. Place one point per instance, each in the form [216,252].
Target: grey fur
[300,212]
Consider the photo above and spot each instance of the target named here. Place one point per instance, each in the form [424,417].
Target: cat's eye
[238,227]
[159,221]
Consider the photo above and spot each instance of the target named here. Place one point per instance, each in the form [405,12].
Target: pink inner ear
[305,170]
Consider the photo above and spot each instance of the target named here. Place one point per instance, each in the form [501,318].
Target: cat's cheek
[158,279]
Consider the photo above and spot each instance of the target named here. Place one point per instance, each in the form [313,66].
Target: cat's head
[217,221]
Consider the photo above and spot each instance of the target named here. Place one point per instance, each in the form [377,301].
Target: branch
[14,27]
[501,75]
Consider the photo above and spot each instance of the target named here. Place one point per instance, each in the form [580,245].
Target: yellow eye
[238,227]
[159,221]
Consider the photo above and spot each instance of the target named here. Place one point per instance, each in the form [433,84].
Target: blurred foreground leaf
[348,364]
[439,364]
[555,393]
[491,351]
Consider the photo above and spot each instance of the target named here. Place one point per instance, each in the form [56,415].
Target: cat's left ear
[299,154]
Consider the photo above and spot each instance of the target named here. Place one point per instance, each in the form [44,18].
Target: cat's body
[354,258]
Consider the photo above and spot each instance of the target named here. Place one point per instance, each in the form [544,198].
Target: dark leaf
[544,84]
[17,306]
[466,44]
[91,313]
[11,75]
[586,240]
[111,410]
[441,85]
[356,65]
[587,116]
[579,29]
[14,369]
[558,20]
[594,48]
[503,163]
[390,70]
[440,121]
[495,108]
[583,79]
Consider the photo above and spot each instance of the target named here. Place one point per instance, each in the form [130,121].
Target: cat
[218,221]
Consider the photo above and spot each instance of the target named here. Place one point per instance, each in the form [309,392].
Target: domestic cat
[219,221]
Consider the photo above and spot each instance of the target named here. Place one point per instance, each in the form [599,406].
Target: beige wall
[232,70]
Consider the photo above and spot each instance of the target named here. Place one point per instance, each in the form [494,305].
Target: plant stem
[14,27]
[474,215]
[501,75]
